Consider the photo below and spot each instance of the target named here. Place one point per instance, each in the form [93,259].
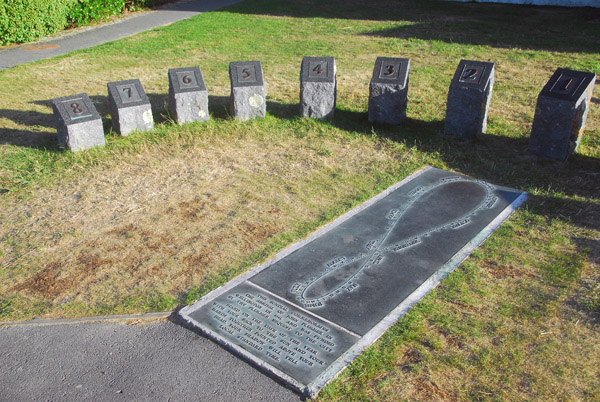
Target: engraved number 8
[76,108]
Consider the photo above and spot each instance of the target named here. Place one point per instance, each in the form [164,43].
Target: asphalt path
[80,39]
[118,361]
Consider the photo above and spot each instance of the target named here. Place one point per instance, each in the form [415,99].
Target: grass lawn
[157,219]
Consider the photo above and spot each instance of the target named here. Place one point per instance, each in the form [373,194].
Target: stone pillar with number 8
[188,97]
[79,125]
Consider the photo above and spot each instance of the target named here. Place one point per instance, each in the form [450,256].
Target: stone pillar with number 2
[188,97]
[248,90]
[469,99]
[79,125]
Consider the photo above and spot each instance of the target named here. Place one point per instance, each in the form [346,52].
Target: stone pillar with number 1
[129,107]
[188,97]
[318,87]
[248,90]
[560,113]
[79,125]
[469,99]
[388,90]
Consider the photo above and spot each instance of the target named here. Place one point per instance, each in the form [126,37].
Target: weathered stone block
[469,99]
[79,125]
[248,90]
[318,87]
[388,90]
[129,107]
[560,113]
[188,97]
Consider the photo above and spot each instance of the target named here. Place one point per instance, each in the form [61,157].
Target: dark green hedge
[28,20]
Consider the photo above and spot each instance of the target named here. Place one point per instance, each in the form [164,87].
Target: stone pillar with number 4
[188,97]
[469,99]
[560,113]
[248,90]
[318,87]
[78,123]
[388,90]
[129,107]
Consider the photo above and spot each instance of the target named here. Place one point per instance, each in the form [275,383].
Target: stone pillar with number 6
[188,97]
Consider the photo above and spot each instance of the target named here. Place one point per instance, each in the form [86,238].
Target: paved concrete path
[81,39]
[117,361]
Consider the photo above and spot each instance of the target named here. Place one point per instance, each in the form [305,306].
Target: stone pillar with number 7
[248,90]
[560,114]
[129,107]
[318,87]
[188,97]
[469,99]
[79,125]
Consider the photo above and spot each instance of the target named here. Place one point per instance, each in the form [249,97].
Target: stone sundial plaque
[307,313]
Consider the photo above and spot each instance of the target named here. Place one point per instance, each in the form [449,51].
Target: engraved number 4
[318,69]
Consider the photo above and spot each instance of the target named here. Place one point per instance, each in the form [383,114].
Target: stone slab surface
[78,123]
[307,313]
[469,98]
[388,90]
[561,113]
[114,361]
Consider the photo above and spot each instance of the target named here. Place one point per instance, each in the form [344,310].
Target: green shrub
[83,12]
[27,20]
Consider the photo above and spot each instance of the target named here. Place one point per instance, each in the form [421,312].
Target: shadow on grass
[575,29]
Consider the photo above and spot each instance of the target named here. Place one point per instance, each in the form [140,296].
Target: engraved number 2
[469,74]
[187,80]
[318,69]
[245,73]
[389,70]
[76,108]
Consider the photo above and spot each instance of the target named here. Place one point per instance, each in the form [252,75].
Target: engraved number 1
[565,85]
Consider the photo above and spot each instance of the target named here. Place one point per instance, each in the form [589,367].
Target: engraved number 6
[187,79]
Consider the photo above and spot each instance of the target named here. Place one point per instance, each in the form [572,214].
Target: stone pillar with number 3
[79,125]
[388,90]
[318,87]
[129,107]
[188,97]
[560,114]
[248,90]
[469,99]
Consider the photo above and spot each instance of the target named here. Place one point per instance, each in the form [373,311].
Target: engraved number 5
[245,73]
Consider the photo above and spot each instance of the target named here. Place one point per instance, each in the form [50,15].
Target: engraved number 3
[76,108]
[389,70]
